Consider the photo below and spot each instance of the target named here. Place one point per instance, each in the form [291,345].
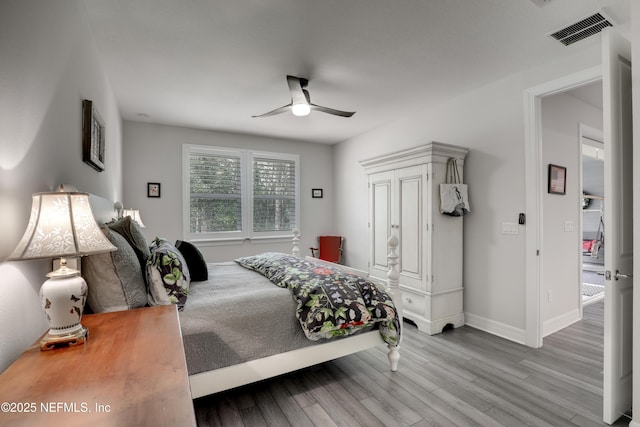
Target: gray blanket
[236,316]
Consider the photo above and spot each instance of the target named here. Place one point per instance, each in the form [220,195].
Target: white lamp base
[63,297]
[51,341]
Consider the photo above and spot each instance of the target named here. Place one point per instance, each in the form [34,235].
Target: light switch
[509,228]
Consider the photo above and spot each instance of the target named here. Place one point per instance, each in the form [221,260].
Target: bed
[238,326]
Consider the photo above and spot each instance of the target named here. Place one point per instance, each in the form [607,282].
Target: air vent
[582,29]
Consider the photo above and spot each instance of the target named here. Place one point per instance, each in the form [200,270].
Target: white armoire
[404,200]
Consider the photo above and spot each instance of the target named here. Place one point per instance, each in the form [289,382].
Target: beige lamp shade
[61,225]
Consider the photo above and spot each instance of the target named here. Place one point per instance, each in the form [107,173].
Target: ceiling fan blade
[296,85]
[299,95]
[332,111]
[279,110]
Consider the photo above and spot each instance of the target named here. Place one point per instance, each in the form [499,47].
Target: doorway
[619,236]
[535,175]
[571,121]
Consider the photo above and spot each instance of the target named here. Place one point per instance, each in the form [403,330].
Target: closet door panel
[410,215]
[380,219]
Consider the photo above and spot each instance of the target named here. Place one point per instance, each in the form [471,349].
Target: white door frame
[534,190]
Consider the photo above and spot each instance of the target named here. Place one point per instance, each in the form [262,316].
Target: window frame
[246,182]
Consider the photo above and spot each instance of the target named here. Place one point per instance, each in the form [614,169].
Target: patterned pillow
[167,275]
[195,261]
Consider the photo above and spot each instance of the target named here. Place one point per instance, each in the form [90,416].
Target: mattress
[236,316]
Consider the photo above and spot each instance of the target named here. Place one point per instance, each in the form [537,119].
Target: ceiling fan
[300,104]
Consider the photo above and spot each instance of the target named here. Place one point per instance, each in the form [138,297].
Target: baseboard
[560,322]
[496,328]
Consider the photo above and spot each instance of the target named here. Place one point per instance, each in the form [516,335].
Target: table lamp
[62,225]
[134,214]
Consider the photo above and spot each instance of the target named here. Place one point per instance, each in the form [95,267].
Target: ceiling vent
[582,29]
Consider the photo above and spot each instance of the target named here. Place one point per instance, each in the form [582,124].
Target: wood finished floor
[464,377]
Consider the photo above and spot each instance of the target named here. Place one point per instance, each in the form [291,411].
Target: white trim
[496,328]
[533,190]
[560,322]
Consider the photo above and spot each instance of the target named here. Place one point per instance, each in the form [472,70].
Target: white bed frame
[229,377]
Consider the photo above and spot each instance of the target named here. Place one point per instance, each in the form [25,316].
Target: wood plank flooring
[464,377]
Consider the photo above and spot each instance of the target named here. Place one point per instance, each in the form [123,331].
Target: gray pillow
[115,279]
[131,231]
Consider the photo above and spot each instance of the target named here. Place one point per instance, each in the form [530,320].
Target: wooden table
[130,372]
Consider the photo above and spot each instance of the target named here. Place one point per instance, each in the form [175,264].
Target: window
[239,194]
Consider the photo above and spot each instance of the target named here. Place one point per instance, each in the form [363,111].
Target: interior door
[618,240]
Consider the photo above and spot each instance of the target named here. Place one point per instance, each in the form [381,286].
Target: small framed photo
[316,193]
[153,189]
[557,179]
[92,136]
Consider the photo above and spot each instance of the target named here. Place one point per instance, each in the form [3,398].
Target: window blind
[215,185]
[234,194]
[274,194]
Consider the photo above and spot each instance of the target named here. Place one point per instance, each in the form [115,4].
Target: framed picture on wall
[557,179]
[92,136]
[153,189]
[316,193]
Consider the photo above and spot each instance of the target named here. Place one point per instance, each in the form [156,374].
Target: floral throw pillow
[167,275]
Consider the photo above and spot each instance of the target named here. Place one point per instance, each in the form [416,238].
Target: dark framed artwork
[316,193]
[93,136]
[557,179]
[153,189]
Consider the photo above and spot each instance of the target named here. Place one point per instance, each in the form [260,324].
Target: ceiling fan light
[301,109]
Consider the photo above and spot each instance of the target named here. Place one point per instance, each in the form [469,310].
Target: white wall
[561,249]
[153,153]
[490,121]
[49,65]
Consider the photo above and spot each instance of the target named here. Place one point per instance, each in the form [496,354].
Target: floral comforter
[330,303]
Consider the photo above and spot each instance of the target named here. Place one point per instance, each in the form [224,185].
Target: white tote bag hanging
[454,200]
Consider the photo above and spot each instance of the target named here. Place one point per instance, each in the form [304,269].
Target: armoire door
[380,220]
[397,203]
[410,196]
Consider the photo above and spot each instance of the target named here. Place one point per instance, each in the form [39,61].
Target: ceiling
[212,64]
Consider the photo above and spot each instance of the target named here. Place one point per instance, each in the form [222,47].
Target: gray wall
[49,64]
[562,258]
[153,153]
[490,121]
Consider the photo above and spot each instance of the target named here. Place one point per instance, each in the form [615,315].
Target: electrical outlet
[568,226]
